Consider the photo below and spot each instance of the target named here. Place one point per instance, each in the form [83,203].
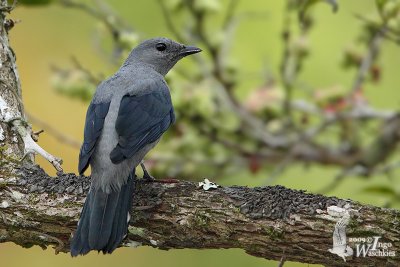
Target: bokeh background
[47,37]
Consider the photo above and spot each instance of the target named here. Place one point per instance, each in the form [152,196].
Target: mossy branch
[269,222]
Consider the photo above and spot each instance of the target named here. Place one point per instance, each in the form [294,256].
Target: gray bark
[11,106]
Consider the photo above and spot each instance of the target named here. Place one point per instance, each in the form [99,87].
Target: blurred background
[298,93]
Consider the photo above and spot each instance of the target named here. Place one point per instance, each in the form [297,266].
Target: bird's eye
[161,46]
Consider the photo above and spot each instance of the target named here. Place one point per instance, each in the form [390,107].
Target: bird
[126,118]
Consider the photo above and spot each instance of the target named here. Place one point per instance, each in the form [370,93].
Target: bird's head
[160,53]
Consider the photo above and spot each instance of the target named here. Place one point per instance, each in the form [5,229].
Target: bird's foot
[148,178]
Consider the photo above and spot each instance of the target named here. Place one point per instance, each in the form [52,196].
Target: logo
[372,247]
[357,246]
[340,246]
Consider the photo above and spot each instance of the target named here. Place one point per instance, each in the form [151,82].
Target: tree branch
[269,222]
[369,58]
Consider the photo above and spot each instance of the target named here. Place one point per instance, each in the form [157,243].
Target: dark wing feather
[93,126]
[141,120]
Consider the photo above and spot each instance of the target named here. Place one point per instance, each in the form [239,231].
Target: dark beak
[189,50]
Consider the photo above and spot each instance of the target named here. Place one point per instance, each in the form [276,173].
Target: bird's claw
[148,178]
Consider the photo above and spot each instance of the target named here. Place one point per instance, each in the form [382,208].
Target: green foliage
[207,5]
[225,127]
[380,189]
[75,84]
[35,2]
[304,5]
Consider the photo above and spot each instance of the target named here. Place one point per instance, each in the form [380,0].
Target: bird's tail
[104,220]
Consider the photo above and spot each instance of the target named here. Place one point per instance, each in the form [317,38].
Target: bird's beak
[189,50]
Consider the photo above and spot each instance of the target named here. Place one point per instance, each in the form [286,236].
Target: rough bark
[17,141]
[11,106]
[268,222]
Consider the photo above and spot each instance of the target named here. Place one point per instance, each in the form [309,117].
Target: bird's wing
[142,119]
[95,116]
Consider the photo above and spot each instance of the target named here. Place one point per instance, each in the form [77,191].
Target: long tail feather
[103,223]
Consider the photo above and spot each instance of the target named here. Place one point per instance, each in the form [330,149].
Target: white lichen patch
[53,205]
[294,218]
[333,212]
[336,211]
[4,204]
[183,221]
[5,112]
[12,180]
[50,211]
[2,136]
[207,184]
[136,231]
[132,244]
[17,196]
[18,214]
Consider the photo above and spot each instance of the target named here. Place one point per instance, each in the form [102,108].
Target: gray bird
[126,118]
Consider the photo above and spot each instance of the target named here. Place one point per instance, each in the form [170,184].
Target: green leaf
[207,5]
[380,4]
[334,4]
[174,5]
[380,189]
[307,4]
[390,10]
[34,2]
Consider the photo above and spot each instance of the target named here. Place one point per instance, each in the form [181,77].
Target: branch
[369,58]
[268,222]
[168,20]
[16,141]
[101,11]
[57,134]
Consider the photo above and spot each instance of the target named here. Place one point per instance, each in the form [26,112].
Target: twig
[286,69]
[91,77]
[256,126]
[94,13]
[113,23]
[369,58]
[353,170]
[280,168]
[230,13]
[387,169]
[8,8]
[170,24]
[31,147]
[61,137]
[282,261]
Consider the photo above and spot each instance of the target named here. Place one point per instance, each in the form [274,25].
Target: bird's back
[127,81]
